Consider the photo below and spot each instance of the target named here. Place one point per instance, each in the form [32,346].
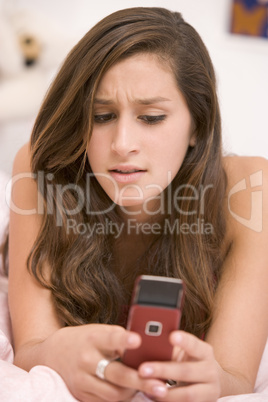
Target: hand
[193,367]
[74,353]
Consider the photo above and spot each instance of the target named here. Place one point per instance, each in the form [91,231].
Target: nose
[125,138]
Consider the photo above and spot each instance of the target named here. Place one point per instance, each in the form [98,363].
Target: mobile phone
[155,311]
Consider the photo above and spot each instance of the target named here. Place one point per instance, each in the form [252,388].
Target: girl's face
[142,130]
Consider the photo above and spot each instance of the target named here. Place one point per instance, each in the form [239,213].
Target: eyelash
[147,119]
[104,118]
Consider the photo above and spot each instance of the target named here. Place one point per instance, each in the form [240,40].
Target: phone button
[153,328]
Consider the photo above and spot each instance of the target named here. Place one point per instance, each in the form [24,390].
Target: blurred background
[36,35]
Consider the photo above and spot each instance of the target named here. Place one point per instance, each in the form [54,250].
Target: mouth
[121,171]
[127,169]
[124,174]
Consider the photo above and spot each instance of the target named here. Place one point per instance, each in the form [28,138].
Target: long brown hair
[84,285]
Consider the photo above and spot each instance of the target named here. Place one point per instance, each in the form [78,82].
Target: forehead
[139,73]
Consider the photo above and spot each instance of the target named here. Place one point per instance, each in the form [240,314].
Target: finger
[124,376]
[189,372]
[120,340]
[102,390]
[193,346]
[112,392]
[196,392]
[114,337]
[87,397]
[178,354]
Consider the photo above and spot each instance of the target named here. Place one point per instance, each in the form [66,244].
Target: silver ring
[101,366]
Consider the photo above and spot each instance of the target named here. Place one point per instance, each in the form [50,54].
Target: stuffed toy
[32,47]
[30,53]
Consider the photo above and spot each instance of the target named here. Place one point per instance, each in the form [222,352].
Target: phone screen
[156,291]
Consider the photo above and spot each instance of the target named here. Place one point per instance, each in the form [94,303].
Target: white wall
[241,65]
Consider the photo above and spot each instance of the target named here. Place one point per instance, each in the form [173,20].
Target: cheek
[172,155]
[90,156]
[95,152]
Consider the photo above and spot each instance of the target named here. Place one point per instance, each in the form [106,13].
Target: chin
[129,203]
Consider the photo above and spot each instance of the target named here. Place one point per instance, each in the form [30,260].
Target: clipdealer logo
[255,220]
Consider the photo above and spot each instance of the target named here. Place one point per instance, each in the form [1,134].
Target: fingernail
[132,339]
[159,390]
[147,370]
[177,338]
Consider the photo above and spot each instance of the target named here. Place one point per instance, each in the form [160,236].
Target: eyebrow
[142,101]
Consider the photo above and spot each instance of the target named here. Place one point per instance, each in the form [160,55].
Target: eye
[104,118]
[149,119]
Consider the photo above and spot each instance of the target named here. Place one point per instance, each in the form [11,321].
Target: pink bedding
[43,383]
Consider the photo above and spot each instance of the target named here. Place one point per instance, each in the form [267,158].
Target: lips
[126,174]
[126,169]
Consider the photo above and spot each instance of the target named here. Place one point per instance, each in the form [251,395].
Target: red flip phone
[155,312]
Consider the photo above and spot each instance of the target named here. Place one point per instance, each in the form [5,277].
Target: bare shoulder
[24,196]
[22,161]
[247,195]
[243,167]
